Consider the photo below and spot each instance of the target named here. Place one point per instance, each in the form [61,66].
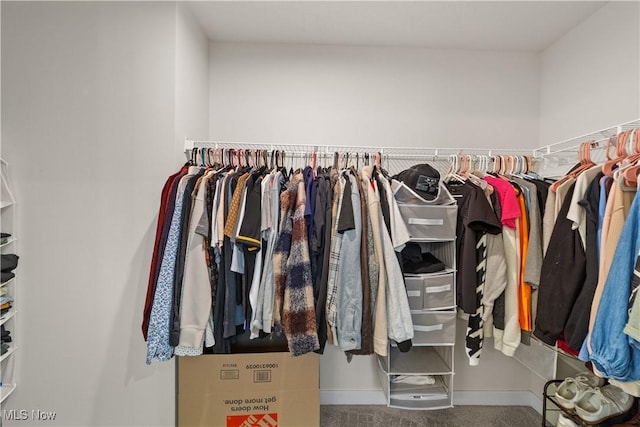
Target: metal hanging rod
[597,137]
[395,152]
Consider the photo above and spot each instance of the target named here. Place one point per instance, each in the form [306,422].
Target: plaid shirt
[334,257]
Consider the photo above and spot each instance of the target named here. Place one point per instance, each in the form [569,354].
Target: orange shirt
[524,290]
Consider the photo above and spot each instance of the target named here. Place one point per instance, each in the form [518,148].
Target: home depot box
[245,390]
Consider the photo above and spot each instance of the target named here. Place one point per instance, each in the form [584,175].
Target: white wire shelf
[7,283]
[8,315]
[10,241]
[6,390]
[598,138]
[12,349]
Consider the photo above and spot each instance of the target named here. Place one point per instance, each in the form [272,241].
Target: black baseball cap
[424,179]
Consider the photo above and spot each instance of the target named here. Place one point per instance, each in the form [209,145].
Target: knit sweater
[294,309]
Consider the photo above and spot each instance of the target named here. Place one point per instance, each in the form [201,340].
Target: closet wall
[379,96]
[97,98]
[347,95]
[591,77]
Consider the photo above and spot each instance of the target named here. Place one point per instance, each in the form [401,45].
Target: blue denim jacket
[350,300]
[610,350]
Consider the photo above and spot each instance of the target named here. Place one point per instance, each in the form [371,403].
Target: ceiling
[485,25]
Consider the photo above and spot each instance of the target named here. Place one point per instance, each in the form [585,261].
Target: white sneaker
[570,390]
[600,404]
[565,421]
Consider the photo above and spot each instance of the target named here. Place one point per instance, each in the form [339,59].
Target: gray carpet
[459,416]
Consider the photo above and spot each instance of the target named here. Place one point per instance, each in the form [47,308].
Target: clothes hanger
[194,154]
[621,141]
[630,174]
[230,157]
[585,163]
[502,169]
[209,154]
[452,173]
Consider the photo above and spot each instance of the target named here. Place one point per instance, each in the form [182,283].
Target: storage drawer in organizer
[430,292]
[432,360]
[429,222]
[415,396]
[434,328]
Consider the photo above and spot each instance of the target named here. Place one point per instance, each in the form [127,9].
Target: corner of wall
[580,90]
[192,79]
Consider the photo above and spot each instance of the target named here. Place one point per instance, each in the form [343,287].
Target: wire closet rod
[596,137]
[405,152]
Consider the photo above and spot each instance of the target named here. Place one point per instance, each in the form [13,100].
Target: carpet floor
[459,416]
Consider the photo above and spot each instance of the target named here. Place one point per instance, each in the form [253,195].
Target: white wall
[591,77]
[91,132]
[379,97]
[373,96]
[192,80]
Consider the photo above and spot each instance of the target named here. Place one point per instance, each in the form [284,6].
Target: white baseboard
[502,398]
[352,397]
[377,397]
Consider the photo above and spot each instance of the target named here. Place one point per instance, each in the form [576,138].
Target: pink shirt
[510,209]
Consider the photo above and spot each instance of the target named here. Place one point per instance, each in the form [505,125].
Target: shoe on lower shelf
[570,390]
[565,421]
[601,403]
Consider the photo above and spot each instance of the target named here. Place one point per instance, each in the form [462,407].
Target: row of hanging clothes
[499,248]
[591,268]
[250,242]
[257,242]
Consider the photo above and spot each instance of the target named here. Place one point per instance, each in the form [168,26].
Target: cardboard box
[245,390]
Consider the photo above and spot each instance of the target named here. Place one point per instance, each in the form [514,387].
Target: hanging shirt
[576,212]
[618,206]
[191,185]
[475,215]
[510,209]
[496,270]
[292,270]
[158,347]
[334,260]
[524,290]
[167,205]
[563,274]
[380,336]
[249,230]
[577,326]
[324,202]
[632,329]
[263,317]
[195,305]
[561,194]
[611,353]
[533,260]
[366,253]
[399,322]
[349,278]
